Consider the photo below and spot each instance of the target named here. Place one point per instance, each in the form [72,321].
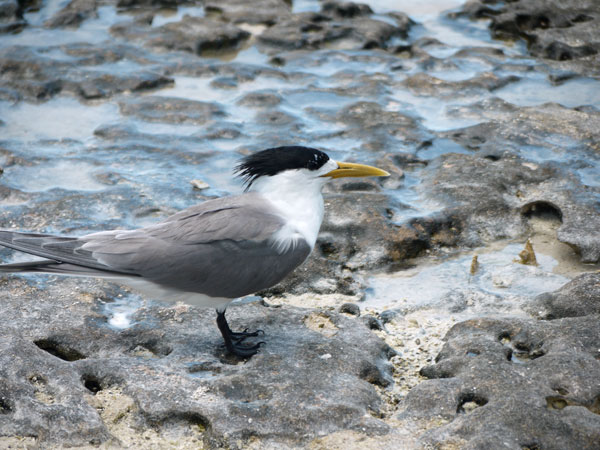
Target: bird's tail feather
[32,266]
[58,268]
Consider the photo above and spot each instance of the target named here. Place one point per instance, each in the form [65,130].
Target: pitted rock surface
[514,384]
[58,352]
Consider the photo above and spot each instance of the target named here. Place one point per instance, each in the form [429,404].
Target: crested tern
[212,253]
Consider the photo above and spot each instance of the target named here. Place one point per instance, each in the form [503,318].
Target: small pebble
[350,308]
[199,184]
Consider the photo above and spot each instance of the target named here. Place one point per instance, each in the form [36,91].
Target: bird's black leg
[233,340]
[238,336]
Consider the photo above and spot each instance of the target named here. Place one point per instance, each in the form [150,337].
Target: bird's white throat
[296,194]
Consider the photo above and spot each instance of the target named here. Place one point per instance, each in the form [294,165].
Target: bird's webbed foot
[233,340]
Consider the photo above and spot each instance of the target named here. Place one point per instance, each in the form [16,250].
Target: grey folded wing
[220,248]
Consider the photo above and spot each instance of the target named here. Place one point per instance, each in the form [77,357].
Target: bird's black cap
[275,160]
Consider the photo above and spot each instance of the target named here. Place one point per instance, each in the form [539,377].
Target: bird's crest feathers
[275,160]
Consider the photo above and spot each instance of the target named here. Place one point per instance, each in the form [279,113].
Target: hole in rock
[543,210]
[522,346]
[38,380]
[531,446]
[472,353]
[5,406]
[151,349]
[187,417]
[492,158]
[523,352]
[523,357]
[470,401]
[59,350]
[91,383]
[328,248]
[504,337]
[595,406]
[581,18]
[556,402]
[560,390]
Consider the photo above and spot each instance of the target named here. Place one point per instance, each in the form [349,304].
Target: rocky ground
[405,328]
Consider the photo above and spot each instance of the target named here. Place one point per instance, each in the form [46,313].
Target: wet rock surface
[111,113]
[523,185]
[559,31]
[315,30]
[192,34]
[32,76]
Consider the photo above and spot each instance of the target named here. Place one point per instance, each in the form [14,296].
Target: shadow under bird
[212,253]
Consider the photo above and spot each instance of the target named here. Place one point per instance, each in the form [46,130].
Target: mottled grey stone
[198,35]
[11,19]
[427,85]
[335,26]
[260,100]
[266,12]
[73,14]
[171,109]
[565,31]
[580,297]
[514,384]
[39,77]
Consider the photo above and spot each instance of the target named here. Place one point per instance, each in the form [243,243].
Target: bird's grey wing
[243,217]
[204,222]
[223,248]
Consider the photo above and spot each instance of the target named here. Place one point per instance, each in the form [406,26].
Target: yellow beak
[355,170]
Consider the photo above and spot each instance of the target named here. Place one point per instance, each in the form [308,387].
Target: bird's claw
[241,335]
[243,351]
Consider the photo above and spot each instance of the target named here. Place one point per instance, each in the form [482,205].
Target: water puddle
[326,63]
[409,202]
[120,311]
[498,285]
[418,10]
[62,174]
[572,93]
[300,6]
[93,30]
[165,16]
[56,119]
[433,111]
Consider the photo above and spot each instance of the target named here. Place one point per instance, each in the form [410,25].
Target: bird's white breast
[299,201]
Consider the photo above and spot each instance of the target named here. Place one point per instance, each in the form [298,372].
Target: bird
[212,253]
